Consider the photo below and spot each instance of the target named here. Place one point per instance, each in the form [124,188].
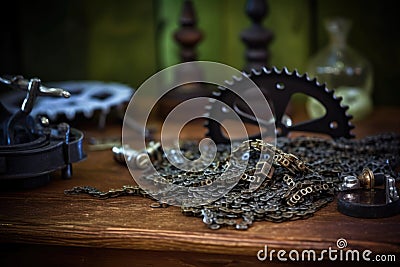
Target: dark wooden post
[256,37]
[188,36]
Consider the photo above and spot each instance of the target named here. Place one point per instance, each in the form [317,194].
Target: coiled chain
[303,176]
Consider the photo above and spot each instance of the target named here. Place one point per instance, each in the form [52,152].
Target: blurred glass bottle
[343,69]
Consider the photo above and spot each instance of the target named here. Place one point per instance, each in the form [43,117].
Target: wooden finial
[188,36]
[256,38]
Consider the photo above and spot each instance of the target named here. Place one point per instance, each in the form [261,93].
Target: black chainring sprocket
[278,86]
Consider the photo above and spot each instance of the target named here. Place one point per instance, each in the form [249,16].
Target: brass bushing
[367,179]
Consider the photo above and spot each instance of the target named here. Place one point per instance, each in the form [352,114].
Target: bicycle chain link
[305,176]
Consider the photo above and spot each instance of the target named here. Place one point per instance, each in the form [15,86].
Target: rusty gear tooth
[315,81]
[345,107]
[276,70]
[245,74]
[331,92]
[297,74]
[266,70]
[337,98]
[349,116]
[320,84]
[256,72]
[286,70]
[312,80]
[303,76]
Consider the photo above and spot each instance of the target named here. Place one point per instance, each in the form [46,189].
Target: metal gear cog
[87,97]
[278,86]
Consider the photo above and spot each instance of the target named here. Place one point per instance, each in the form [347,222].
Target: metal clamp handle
[34,88]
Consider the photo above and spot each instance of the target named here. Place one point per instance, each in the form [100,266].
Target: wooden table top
[46,217]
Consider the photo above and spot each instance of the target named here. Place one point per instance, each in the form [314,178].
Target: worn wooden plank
[47,217]
[129,222]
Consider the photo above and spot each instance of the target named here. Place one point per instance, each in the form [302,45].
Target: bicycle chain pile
[307,172]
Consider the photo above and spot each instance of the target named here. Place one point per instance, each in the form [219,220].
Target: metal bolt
[44,121]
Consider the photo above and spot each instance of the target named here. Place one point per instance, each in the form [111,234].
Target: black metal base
[367,204]
[29,165]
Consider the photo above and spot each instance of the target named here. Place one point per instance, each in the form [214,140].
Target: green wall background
[222,22]
[128,41]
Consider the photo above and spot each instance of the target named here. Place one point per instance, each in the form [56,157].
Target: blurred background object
[128,41]
[343,69]
[256,37]
[187,37]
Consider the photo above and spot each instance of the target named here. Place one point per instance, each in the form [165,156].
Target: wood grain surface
[43,220]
